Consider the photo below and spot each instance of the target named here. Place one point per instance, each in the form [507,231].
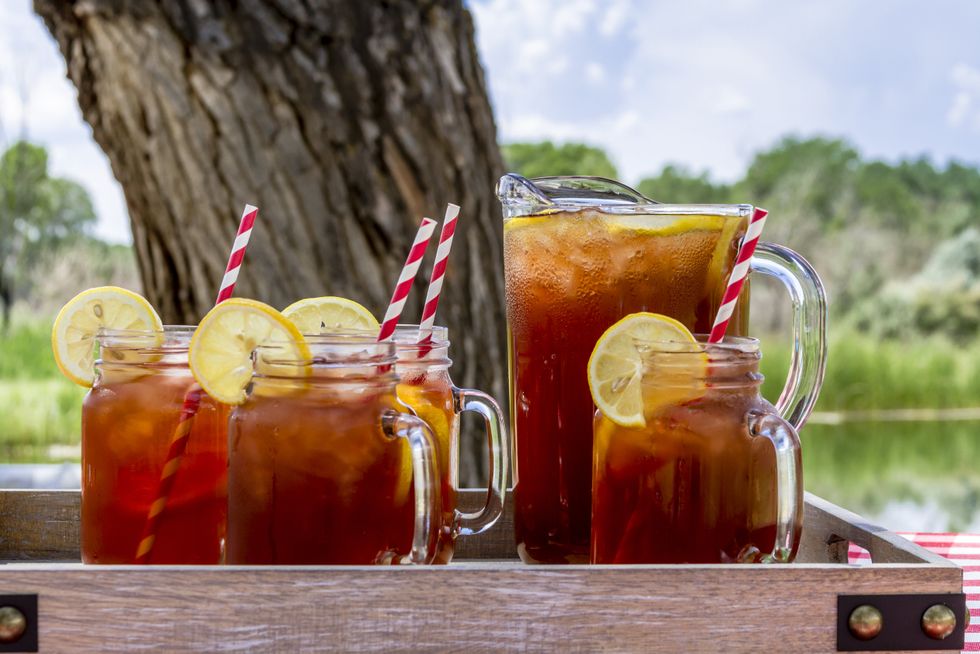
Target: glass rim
[342,353]
[167,329]
[729,344]
[407,331]
[170,338]
[542,196]
[440,336]
[626,209]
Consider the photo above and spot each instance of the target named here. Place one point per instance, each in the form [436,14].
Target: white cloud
[690,83]
[615,17]
[966,76]
[731,101]
[625,121]
[533,37]
[965,109]
[959,109]
[594,72]
[534,127]
[571,16]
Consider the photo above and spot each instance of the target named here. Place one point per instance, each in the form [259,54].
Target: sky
[698,83]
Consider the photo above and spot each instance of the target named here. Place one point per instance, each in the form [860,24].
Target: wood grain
[498,542]
[833,524]
[43,526]
[39,525]
[473,606]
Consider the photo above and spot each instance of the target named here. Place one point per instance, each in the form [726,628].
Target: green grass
[36,415]
[40,408]
[25,351]
[864,374]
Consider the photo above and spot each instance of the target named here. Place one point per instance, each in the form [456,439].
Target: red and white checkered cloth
[961,549]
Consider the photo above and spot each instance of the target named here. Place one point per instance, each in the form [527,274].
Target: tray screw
[13,624]
[938,621]
[865,622]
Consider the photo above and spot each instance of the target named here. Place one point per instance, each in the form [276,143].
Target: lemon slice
[725,249]
[439,423]
[512,224]
[221,349]
[434,415]
[318,315]
[405,475]
[665,225]
[78,322]
[616,368]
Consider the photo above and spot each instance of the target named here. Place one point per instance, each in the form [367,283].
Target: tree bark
[7,300]
[345,121]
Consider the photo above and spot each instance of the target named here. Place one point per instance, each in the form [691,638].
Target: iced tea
[314,475]
[699,483]
[569,276]
[128,421]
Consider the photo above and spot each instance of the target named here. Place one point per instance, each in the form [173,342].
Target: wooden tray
[485,600]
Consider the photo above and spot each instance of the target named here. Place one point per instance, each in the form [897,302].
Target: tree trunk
[345,121]
[7,300]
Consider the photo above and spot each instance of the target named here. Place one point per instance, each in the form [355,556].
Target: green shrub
[40,408]
[25,352]
[38,414]
[867,374]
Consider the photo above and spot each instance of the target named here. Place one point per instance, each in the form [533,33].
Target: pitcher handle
[425,475]
[809,358]
[470,523]
[789,480]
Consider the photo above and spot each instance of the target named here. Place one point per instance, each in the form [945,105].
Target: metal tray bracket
[875,623]
[18,623]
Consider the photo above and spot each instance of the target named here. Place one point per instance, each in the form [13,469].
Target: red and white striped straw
[237,253]
[739,272]
[178,443]
[438,273]
[405,279]
[192,399]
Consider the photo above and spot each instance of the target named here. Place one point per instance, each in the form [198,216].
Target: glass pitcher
[579,254]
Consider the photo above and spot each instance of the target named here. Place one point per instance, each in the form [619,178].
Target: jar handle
[809,357]
[470,523]
[789,480]
[425,475]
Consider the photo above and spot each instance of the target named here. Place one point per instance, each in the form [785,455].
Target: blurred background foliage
[547,159]
[39,215]
[46,253]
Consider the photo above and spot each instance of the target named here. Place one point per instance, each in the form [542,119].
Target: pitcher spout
[520,196]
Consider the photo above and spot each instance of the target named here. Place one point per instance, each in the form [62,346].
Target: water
[906,476]
[40,475]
